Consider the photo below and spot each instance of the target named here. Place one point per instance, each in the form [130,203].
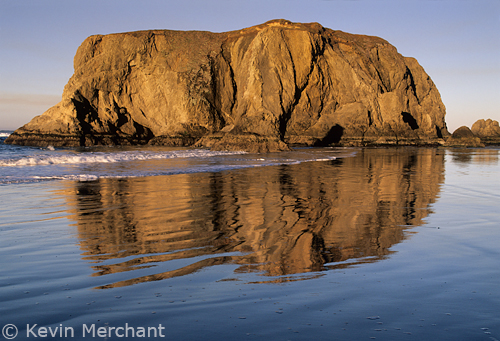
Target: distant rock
[487,130]
[462,133]
[463,137]
[274,85]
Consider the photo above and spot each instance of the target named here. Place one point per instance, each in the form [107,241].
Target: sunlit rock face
[259,89]
[487,130]
[284,222]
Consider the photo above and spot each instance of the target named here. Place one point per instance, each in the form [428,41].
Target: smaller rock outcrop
[251,143]
[487,130]
[463,137]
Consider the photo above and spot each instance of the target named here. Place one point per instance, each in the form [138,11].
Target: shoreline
[242,143]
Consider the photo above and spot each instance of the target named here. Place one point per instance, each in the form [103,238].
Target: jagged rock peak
[276,84]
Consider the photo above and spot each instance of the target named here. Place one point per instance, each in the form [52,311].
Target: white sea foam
[28,164]
[100,157]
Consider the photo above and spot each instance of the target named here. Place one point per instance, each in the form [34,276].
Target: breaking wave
[103,157]
[20,164]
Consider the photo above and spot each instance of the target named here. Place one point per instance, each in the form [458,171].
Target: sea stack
[259,89]
[463,137]
[487,130]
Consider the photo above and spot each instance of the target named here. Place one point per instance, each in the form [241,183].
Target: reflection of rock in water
[465,156]
[279,220]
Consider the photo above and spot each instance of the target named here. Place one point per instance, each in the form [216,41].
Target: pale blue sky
[456,41]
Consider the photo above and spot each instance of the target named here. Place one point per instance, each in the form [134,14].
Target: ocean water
[21,164]
[188,244]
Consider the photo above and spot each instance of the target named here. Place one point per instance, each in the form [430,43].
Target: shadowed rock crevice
[438,132]
[332,137]
[410,120]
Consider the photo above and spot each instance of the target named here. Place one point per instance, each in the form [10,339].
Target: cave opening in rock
[333,136]
[410,120]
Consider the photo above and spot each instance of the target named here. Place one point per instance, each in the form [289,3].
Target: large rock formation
[260,89]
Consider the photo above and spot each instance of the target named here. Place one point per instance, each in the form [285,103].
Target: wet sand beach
[385,243]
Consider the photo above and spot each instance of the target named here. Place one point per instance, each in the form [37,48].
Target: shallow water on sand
[369,243]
